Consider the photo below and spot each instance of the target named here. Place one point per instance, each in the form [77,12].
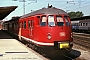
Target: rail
[82,39]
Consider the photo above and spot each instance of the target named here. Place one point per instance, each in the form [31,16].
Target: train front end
[55,32]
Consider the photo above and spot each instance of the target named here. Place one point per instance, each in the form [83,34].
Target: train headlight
[49,36]
[71,35]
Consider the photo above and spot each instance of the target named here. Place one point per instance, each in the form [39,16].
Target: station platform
[12,49]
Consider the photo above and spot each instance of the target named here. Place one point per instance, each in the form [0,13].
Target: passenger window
[32,24]
[17,25]
[79,24]
[29,24]
[60,21]
[51,21]
[83,24]
[66,20]
[24,24]
[86,24]
[43,21]
[20,24]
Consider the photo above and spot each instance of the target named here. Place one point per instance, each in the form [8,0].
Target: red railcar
[48,27]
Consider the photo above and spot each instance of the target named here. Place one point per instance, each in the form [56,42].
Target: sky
[32,5]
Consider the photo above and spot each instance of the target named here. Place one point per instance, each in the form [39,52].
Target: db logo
[62,33]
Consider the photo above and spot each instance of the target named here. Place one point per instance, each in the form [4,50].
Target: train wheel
[33,47]
[40,50]
[27,44]
[30,45]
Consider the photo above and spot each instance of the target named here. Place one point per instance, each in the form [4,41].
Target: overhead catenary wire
[78,6]
[84,4]
[68,7]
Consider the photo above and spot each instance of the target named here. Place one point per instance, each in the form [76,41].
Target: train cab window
[60,21]
[66,20]
[43,21]
[24,24]
[51,21]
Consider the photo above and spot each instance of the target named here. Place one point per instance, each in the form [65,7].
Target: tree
[75,14]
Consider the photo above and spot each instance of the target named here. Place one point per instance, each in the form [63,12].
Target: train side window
[43,21]
[17,25]
[32,24]
[79,24]
[86,24]
[66,20]
[20,25]
[24,24]
[29,24]
[60,21]
[51,21]
[83,24]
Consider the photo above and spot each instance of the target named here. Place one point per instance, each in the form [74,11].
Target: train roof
[13,19]
[75,21]
[51,10]
[80,18]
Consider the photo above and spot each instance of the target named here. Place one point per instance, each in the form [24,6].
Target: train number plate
[64,45]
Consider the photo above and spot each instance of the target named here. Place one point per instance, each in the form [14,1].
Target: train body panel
[56,33]
[81,25]
[75,25]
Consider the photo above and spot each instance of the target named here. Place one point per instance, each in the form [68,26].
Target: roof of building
[5,11]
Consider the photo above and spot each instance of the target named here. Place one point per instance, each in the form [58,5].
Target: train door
[20,29]
[31,28]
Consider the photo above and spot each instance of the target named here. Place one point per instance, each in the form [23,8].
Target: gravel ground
[85,53]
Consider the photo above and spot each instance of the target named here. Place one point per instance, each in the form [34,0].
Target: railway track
[53,57]
[82,39]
